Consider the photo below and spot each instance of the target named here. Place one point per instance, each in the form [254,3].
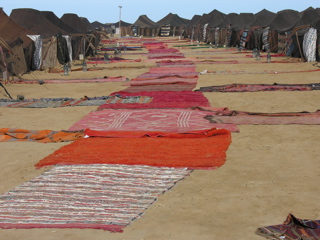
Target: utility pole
[120,22]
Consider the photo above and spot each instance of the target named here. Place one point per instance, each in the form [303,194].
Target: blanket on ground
[42,136]
[161,88]
[166,120]
[107,197]
[80,80]
[70,102]
[251,118]
[164,99]
[194,153]
[292,229]
[236,87]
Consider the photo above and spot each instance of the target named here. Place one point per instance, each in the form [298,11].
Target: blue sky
[109,11]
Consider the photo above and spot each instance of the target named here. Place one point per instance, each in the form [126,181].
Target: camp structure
[210,26]
[172,25]
[58,22]
[75,22]
[190,31]
[16,48]
[144,26]
[240,31]
[96,25]
[225,29]
[124,27]
[257,27]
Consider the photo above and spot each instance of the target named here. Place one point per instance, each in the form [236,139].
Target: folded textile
[292,229]
[107,197]
[42,136]
[194,153]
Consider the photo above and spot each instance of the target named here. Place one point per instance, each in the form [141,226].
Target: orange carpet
[43,136]
[192,152]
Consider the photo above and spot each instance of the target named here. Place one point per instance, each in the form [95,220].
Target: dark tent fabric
[74,21]
[173,19]
[20,61]
[194,20]
[262,18]
[58,22]
[87,23]
[230,18]
[98,25]
[214,18]
[191,26]
[11,31]
[33,20]
[144,26]
[308,16]
[243,20]
[144,22]
[285,20]
[172,24]
[123,24]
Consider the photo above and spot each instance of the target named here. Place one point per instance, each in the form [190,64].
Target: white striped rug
[97,196]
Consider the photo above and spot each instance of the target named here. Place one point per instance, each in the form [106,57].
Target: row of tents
[32,39]
[286,31]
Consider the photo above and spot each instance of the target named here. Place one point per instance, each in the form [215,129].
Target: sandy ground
[270,170]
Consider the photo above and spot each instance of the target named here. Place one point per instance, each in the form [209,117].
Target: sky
[109,11]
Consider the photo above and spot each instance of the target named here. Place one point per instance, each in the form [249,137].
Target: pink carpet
[167,120]
[183,99]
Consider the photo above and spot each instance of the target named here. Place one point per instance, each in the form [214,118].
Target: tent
[172,25]
[35,21]
[18,59]
[75,22]
[144,26]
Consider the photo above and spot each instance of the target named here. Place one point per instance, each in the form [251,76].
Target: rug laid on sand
[252,118]
[80,80]
[163,99]
[41,136]
[162,87]
[107,197]
[206,152]
[167,120]
[71,102]
[163,81]
[292,229]
[237,87]
[150,76]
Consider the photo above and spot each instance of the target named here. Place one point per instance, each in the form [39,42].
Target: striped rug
[97,196]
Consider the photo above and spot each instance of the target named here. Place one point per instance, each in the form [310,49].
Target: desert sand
[270,171]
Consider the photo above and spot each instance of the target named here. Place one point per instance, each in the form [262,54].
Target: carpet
[161,88]
[193,153]
[80,80]
[175,70]
[166,120]
[292,229]
[164,99]
[236,87]
[150,76]
[107,197]
[70,102]
[42,136]
[252,118]
[162,81]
